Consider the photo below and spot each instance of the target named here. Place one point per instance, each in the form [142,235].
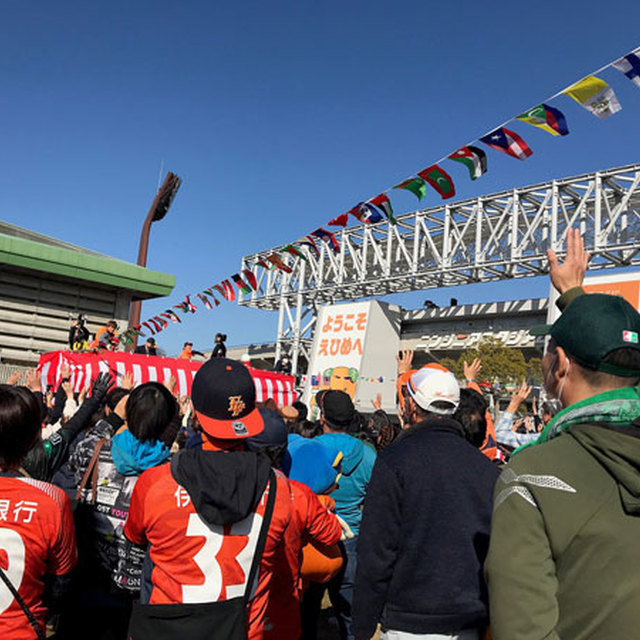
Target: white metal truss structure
[495,237]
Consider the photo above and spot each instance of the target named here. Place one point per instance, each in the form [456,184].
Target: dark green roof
[29,250]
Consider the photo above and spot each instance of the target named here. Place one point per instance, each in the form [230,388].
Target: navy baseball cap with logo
[593,326]
[224,400]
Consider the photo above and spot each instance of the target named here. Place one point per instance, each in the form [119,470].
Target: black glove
[101,386]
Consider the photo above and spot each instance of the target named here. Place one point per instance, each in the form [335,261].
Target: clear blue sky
[279,116]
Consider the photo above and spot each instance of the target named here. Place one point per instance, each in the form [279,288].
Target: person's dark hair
[301,408]
[306,428]
[275,455]
[471,414]
[150,409]
[113,324]
[384,433]
[20,424]
[114,396]
[549,408]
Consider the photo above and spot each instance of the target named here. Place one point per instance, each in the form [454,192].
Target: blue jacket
[357,465]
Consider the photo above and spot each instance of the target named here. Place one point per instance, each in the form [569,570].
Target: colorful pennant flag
[156,325]
[546,118]
[205,300]
[440,180]
[226,290]
[148,326]
[384,204]
[308,241]
[241,284]
[416,185]
[172,315]
[508,142]
[261,263]
[340,221]
[474,158]
[366,213]
[209,292]
[328,237]
[278,263]
[294,251]
[595,95]
[630,66]
[250,278]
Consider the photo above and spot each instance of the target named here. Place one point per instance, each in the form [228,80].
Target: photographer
[219,348]
[78,334]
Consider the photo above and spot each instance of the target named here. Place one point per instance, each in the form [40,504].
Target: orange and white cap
[435,389]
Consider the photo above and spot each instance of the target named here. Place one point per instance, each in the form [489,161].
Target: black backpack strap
[23,605]
[262,539]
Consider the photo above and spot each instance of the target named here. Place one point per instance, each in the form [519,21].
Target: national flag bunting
[250,278]
[294,251]
[630,66]
[474,158]
[241,284]
[440,180]
[261,263]
[309,241]
[278,263]
[546,118]
[210,294]
[205,300]
[508,142]
[364,212]
[416,185]
[384,204]
[595,95]
[340,221]
[148,326]
[226,290]
[172,315]
[328,237]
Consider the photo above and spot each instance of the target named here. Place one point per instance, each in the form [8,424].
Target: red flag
[440,180]
[250,278]
[226,290]
[148,326]
[340,221]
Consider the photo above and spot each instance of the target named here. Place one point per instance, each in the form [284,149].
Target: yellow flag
[595,95]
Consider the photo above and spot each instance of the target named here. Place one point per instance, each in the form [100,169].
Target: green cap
[593,326]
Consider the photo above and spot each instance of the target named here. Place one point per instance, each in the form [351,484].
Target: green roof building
[44,282]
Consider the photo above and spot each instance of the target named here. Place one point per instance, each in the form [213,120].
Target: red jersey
[36,538]
[310,521]
[197,563]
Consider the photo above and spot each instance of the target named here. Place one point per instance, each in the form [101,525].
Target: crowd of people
[128,513]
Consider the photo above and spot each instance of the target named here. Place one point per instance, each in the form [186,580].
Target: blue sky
[279,116]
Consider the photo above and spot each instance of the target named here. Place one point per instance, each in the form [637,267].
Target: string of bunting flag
[591,92]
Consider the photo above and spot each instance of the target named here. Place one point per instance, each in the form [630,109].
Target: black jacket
[425,534]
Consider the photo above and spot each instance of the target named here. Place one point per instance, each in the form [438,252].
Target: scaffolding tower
[499,236]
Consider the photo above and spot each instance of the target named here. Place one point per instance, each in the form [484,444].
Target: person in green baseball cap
[566,522]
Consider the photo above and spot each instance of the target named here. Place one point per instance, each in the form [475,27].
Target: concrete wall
[35,308]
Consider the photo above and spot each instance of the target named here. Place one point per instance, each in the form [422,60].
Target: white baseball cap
[434,385]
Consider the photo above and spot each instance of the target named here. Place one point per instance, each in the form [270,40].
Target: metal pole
[159,207]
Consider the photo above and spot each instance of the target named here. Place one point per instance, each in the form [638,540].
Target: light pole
[159,208]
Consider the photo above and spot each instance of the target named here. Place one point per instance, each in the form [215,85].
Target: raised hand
[101,385]
[127,380]
[14,378]
[472,370]
[519,396]
[571,272]
[377,402]
[405,361]
[33,381]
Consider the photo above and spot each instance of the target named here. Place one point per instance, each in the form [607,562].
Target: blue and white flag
[630,66]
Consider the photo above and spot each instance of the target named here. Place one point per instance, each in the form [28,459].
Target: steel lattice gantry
[495,237]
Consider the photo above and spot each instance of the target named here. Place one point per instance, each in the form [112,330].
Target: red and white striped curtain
[85,367]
